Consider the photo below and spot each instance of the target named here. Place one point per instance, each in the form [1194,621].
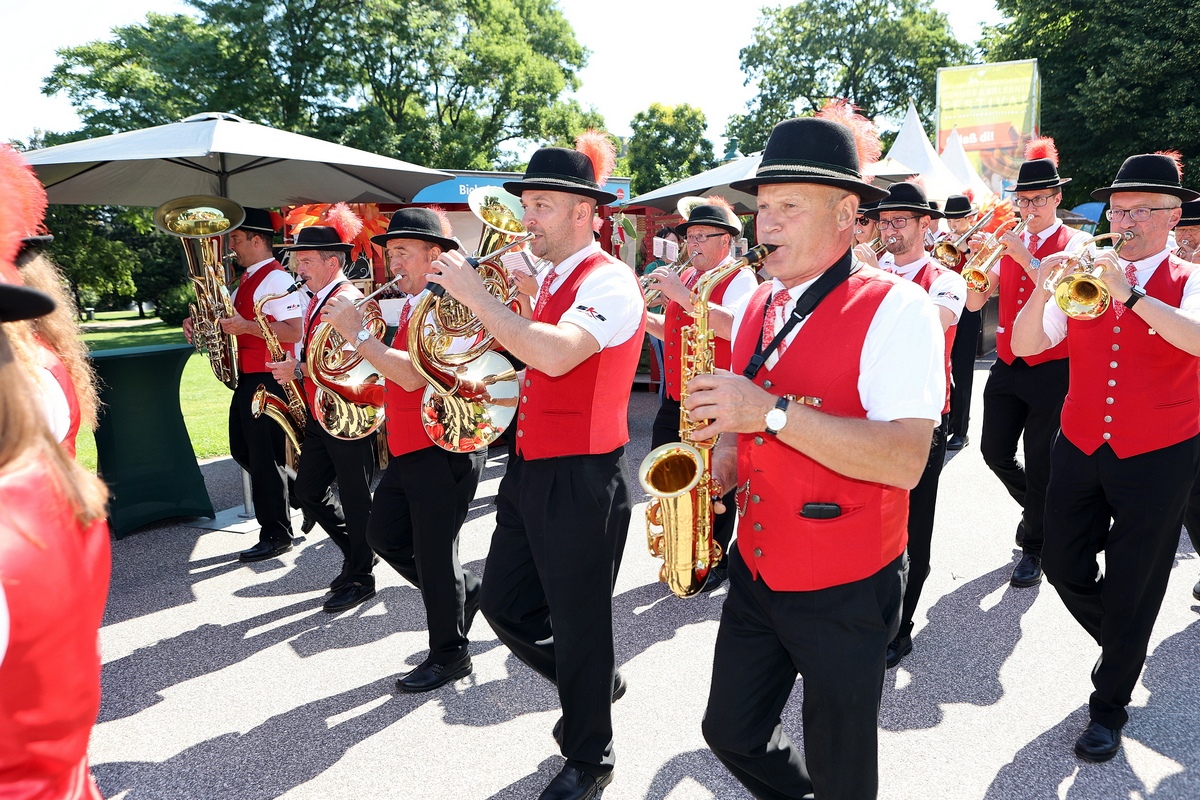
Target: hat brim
[600,196]
[681,228]
[960,214]
[1033,186]
[296,248]
[874,213]
[866,192]
[252,229]
[1187,222]
[441,241]
[21,302]
[1186,195]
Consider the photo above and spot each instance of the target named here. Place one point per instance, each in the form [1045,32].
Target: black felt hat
[713,215]
[905,196]
[1191,214]
[1150,172]
[559,169]
[318,237]
[259,220]
[812,150]
[21,302]
[416,223]
[959,206]
[1037,173]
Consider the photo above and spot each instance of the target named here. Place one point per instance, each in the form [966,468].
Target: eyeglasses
[697,238]
[1135,214]
[896,224]
[862,222]
[1036,202]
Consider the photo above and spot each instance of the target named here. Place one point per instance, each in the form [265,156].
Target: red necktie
[544,292]
[780,300]
[1131,276]
[1033,243]
[404,315]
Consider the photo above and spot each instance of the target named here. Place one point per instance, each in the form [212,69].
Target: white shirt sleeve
[608,305]
[284,308]
[739,289]
[949,291]
[1191,294]
[55,405]
[902,373]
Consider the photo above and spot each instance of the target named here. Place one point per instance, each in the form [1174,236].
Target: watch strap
[1136,293]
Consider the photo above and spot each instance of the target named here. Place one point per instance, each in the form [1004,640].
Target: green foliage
[1117,80]
[876,53]
[92,261]
[667,145]
[172,305]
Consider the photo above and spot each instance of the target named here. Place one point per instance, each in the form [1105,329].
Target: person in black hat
[563,507]
[1187,233]
[961,214]
[708,233]
[257,443]
[827,421]
[865,230]
[421,502]
[1023,397]
[319,256]
[904,219]
[1124,464]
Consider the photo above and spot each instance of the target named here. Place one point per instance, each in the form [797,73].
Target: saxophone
[291,413]
[678,475]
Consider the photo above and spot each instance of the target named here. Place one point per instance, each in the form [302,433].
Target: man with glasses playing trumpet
[708,233]
[1130,438]
[961,216]
[1024,395]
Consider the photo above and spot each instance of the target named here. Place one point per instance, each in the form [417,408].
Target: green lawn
[203,399]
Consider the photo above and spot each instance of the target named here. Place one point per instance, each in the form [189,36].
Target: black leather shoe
[348,596]
[430,675]
[1098,743]
[263,551]
[1020,533]
[716,576]
[1027,572]
[307,524]
[340,582]
[1196,590]
[470,609]
[619,687]
[957,442]
[571,784]
[897,649]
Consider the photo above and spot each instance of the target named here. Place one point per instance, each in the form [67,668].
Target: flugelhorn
[975,272]
[650,291]
[950,253]
[201,222]
[1076,283]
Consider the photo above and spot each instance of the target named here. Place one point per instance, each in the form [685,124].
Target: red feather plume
[443,220]
[1041,147]
[866,138]
[277,220]
[344,221]
[28,193]
[600,151]
[1175,156]
[970,195]
[917,180]
[719,202]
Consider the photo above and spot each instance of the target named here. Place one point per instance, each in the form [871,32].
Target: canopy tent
[954,157]
[912,147]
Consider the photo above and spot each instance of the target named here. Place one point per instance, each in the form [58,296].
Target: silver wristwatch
[777,416]
[361,337]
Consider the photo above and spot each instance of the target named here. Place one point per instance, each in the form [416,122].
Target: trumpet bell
[977,280]
[947,254]
[198,216]
[1081,296]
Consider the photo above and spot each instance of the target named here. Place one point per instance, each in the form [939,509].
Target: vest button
[1112,364]
[520,433]
[1107,435]
[1022,277]
[526,383]
[1116,347]
[1117,330]
[1021,302]
[671,357]
[1109,400]
[758,552]
[758,440]
[1108,419]
[524,398]
[1112,383]
[766,384]
[755,498]
[1022,289]
[758,526]
[522,415]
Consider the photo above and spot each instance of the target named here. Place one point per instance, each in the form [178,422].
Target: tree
[95,264]
[667,145]
[1117,80]
[875,53]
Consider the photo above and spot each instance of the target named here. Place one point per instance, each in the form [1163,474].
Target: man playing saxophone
[421,501]
[257,443]
[708,232]
[838,382]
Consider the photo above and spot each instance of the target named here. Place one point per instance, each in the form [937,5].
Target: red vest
[1129,387]
[405,433]
[585,411]
[676,319]
[925,279]
[1015,289]
[790,552]
[252,350]
[52,363]
[55,576]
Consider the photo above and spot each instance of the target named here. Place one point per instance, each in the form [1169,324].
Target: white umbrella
[712,181]
[224,155]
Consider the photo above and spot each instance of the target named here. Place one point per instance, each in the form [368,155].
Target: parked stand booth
[143,450]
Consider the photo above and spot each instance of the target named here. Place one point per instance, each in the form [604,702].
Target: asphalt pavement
[227,680]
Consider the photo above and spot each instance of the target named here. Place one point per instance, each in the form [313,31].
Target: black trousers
[836,638]
[962,370]
[1191,517]
[1024,403]
[1145,497]
[419,507]
[560,531]
[666,429]
[323,460]
[922,503]
[257,445]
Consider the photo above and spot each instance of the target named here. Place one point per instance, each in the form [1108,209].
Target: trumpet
[651,292]
[1076,283]
[1187,249]
[951,253]
[878,245]
[975,272]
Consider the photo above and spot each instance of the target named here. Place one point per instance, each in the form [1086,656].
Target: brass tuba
[348,402]
[290,412]
[201,221]
[950,253]
[1076,283]
[975,271]
[678,475]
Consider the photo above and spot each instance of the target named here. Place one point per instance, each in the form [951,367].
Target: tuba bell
[201,222]
[1076,283]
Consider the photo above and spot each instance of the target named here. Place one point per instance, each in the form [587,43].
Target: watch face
[776,418]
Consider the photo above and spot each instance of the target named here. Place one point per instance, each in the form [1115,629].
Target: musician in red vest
[1023,397]
[708,233]
[961,214]
[257,444]
[421,502]
[563,507]
[319,255]
[838,382]
[903,218]
[1123,467]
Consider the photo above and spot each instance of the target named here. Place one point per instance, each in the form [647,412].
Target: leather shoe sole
[429,676]
[262,551]
[1097,743]
[347,597]
[572,784]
